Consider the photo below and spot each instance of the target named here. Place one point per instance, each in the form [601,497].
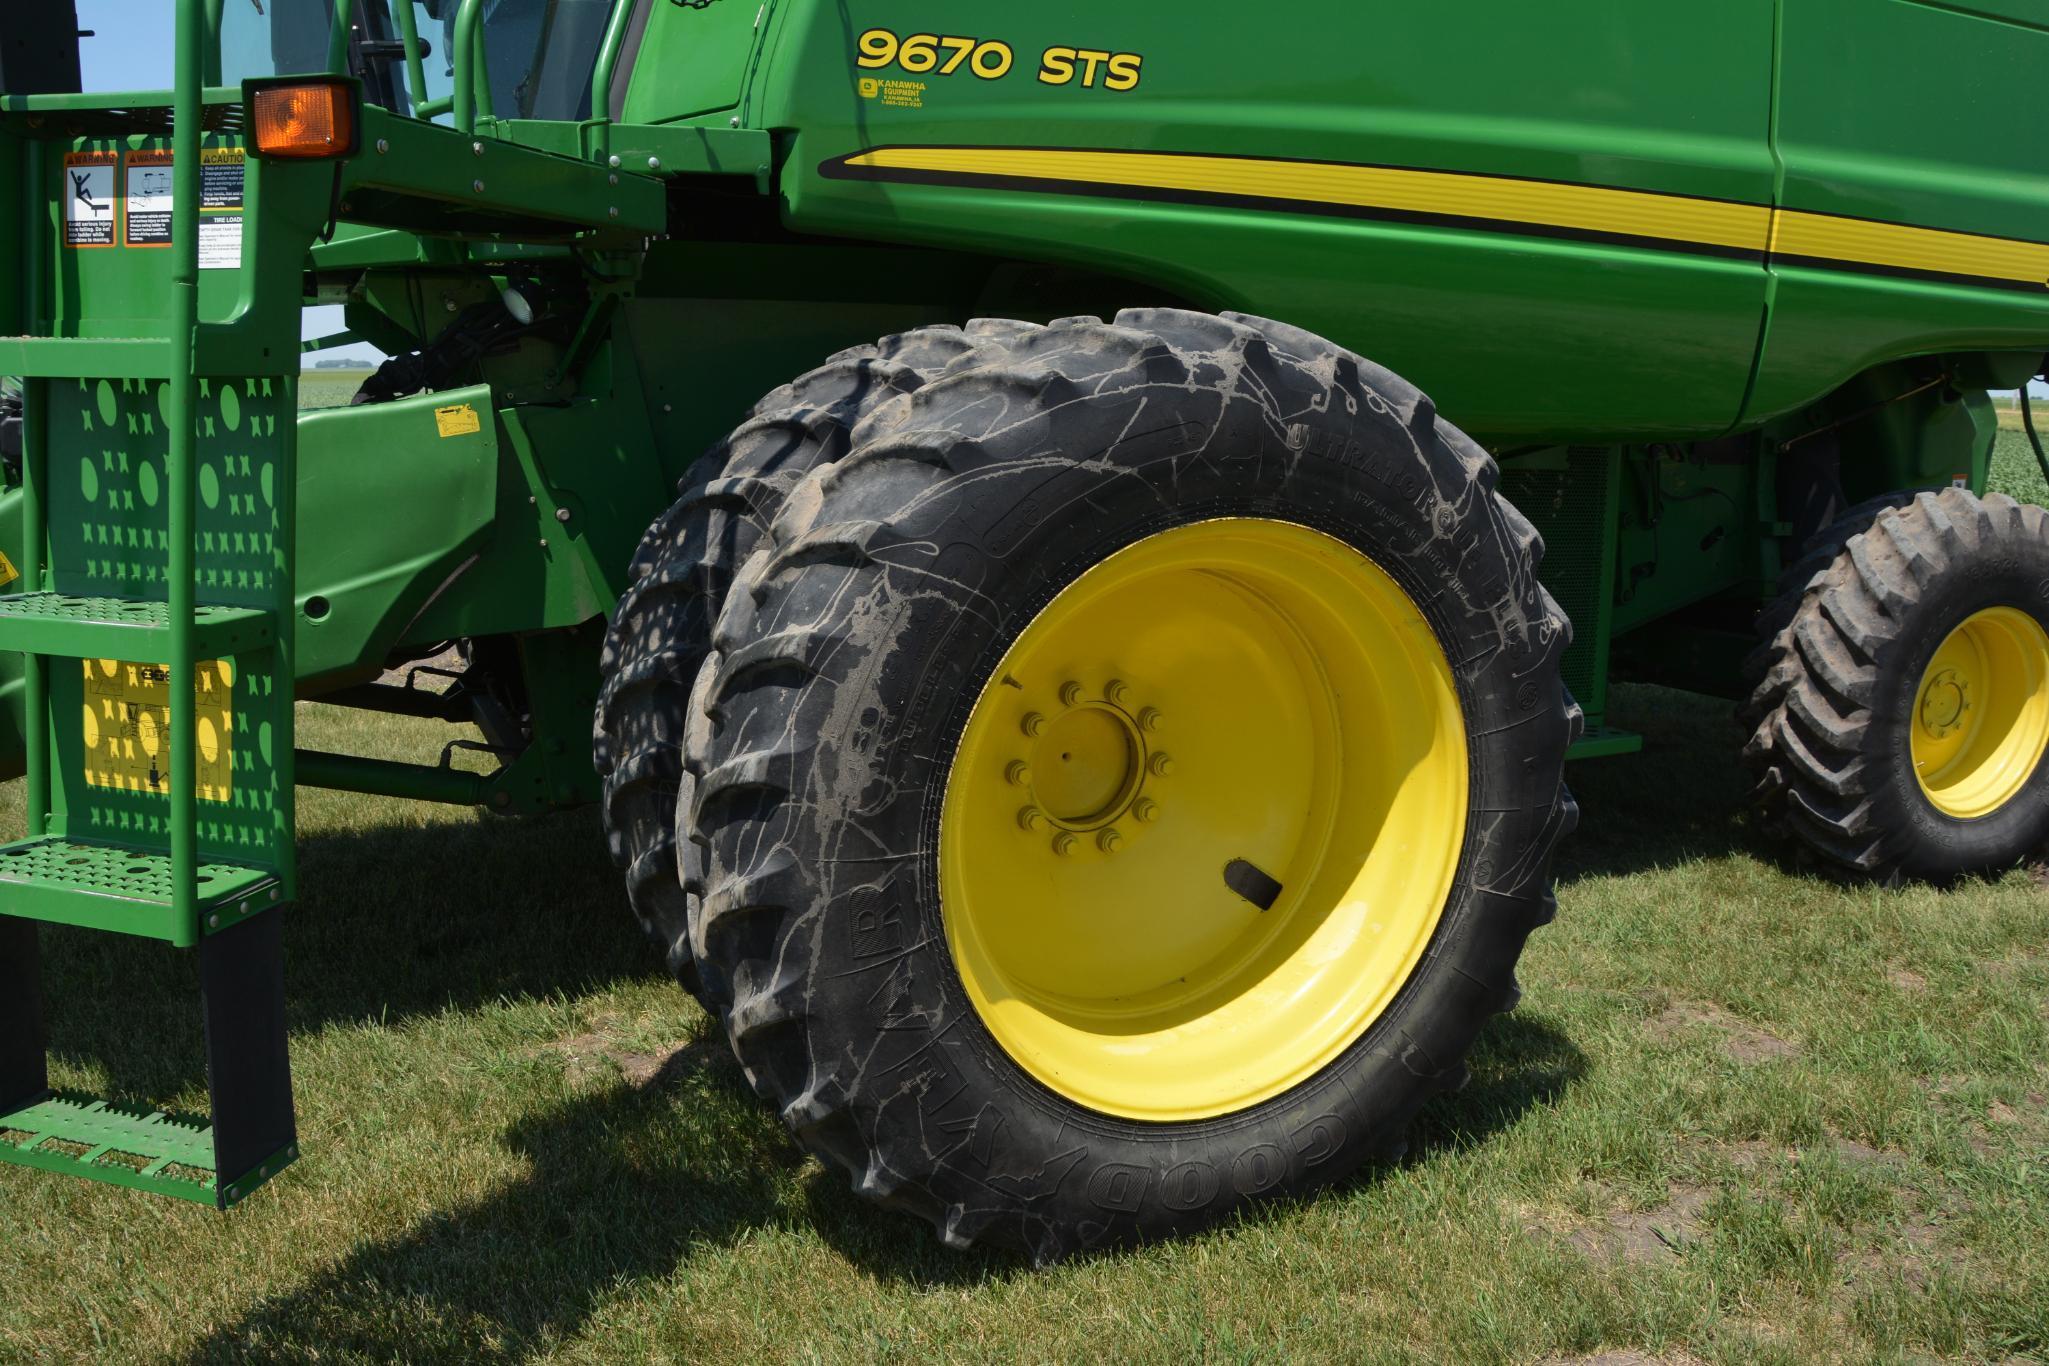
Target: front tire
[1902,711]
[1280,659]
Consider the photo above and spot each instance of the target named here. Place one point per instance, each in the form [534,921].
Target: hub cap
[1981,717]
[1204,820]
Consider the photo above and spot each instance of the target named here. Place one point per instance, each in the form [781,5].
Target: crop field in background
[1744,1114]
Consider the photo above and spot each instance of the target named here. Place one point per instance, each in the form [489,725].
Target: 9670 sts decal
[936,54]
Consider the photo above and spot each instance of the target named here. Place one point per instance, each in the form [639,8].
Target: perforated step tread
[127,890]
[125,1145]
[71,626]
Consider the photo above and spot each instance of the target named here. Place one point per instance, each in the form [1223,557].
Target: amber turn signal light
[305,120]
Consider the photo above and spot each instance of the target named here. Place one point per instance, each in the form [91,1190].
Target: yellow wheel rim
[1226,714]
[1981,715]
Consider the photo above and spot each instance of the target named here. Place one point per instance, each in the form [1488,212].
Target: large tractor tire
[1130,774]
[679,580]
[1901,709]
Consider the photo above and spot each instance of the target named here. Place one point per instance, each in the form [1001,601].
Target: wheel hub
[1944,703]
[1089,769]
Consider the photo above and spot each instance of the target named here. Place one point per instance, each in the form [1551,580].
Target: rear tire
[866,638]
[680,576]
[1901,709]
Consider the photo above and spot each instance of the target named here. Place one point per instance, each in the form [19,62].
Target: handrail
[416,71]
[179,465]
[472,71]
[608,63]
[338,38]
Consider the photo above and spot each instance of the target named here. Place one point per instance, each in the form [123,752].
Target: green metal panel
[1517,333]
[693,60]
[404,493]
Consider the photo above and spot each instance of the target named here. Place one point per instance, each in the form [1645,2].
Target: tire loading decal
[1459,199]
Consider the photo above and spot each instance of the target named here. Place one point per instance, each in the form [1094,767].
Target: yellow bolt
[1109,841]
[1064,844]
[1162,765]
[1070,694]
[1030,819]
[1116,692]
[1034,724]
[1150,718]
[1147,810]
[1019,774]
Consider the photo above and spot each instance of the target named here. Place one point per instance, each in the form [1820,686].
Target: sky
[131,50]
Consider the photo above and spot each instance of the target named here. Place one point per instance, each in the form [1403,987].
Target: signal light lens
[305,121]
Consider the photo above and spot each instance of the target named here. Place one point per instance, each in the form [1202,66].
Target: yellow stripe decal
[1708,223]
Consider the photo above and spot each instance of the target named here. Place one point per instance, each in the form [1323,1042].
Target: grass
[329,388]
[1743,1115]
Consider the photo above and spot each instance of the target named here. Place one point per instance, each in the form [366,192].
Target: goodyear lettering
[1116,1187]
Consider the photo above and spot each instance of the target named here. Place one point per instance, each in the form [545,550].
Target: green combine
[1099,773]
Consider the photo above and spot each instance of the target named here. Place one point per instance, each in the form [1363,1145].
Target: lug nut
[1030,819]
[1109,841]
[1064,844]
[1150,719]
[1162,765]
[1147,810]
[1116,692]
[1019,774]
[1070,694]
[1034,725]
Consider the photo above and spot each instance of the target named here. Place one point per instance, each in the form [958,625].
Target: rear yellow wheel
[1204,820]
[1981,714]
[1086,849]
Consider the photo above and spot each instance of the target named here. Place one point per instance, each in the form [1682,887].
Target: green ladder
[154,615]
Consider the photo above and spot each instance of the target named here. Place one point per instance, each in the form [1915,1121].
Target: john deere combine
[1100,774]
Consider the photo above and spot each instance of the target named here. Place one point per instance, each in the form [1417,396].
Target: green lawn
[1743,1115]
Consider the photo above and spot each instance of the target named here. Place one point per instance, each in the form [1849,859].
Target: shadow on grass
[1684,797]
[627,1184]
[393,922]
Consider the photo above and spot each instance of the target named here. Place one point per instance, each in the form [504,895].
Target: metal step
[252,1135]
[125,890]
[72,627]
[123,1145]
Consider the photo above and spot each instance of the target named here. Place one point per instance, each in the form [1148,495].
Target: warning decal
[222,181]
[127,726]
[89,199]
[8,573]
[148,216]
[459,420]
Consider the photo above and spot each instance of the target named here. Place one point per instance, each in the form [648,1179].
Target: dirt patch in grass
[1646,1237]
[1907,980]
[1623,1357]
[1742,1041]
[601,1049]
